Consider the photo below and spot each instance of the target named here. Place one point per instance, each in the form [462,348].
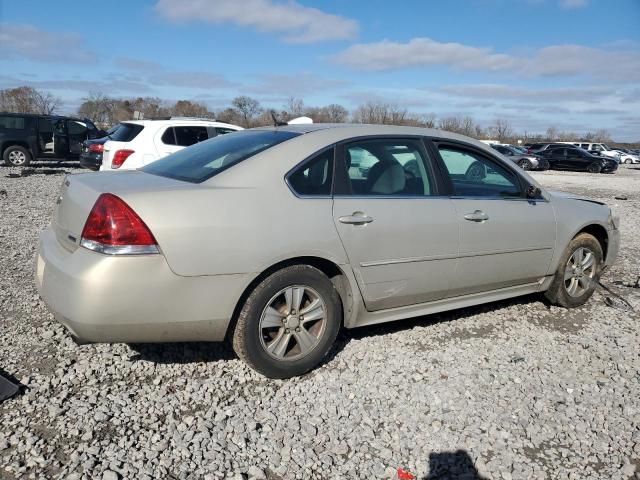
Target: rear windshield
[125,132]
[203,160]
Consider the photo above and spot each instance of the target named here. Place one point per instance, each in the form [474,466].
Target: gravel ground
[515,389]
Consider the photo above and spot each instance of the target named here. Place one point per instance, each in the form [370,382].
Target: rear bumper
[91,161]
[135,299]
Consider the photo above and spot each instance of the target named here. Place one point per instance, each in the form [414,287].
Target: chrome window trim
[119,249]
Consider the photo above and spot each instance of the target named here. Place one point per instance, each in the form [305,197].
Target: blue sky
[572,64]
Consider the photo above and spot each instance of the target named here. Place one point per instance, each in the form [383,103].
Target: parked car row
[557,156]
[25,137]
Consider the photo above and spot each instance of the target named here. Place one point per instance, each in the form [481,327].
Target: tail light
[119,157]
[115,229]
[96,148]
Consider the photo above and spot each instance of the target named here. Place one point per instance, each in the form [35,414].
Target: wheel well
[330,269]
[601,235]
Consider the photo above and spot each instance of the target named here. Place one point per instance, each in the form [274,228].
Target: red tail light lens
[119,157]
[114,228]
[96,148]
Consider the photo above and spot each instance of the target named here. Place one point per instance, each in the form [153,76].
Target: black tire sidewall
[557,292]
[596,168]
[525,165]
[12,148]
[248,345]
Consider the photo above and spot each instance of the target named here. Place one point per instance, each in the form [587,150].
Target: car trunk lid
[79,192]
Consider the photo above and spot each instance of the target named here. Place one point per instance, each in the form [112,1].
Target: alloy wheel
[17,157]
[293,322]
[579,272]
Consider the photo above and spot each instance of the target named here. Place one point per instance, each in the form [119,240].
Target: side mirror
[533,192]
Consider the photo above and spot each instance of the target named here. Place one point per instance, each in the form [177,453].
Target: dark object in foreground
[7,389]
[621,197]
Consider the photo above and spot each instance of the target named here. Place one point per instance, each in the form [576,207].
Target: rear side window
[169,137]
[125,132]
[314,177]
[187,136]
[14,123]
[206,159]
[473,175]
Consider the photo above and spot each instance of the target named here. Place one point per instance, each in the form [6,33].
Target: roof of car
[371,129]
[182,121]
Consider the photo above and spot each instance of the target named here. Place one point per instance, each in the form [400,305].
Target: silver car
[274,239]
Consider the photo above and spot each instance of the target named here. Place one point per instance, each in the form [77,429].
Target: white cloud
[157,74]
[621,65]
[387,55]
[501,92]
[574,3]
[296,23]
[32,43]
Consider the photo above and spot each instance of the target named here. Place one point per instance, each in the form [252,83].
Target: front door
[401,237]
[505,238]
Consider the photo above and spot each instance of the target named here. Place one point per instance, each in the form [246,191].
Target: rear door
[400,235]
[505,238]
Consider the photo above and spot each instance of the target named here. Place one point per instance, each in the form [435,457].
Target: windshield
[203,160]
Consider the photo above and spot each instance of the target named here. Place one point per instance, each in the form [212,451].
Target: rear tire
[16,156]
[628,160]
[572,287]
[272,334]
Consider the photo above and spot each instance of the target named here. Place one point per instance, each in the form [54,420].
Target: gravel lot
[516,389]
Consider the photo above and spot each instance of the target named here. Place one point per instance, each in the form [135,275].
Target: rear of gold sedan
[108,280]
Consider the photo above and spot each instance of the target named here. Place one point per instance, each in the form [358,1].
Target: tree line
[248,112]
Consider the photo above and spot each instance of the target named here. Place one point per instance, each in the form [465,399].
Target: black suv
[25,137]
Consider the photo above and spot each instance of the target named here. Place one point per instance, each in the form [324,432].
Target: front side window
[314,177]
[388,167]
[473,175]
[206,159]
[222,130]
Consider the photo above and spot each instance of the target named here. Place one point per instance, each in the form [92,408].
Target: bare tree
[98,108]
[248,108]
[450,124]
[229,115]
[28,100]
[502,130]
[380,113]
[552,134]
[294,107]
[187,108]
[334,113]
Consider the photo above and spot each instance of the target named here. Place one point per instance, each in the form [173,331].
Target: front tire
[525,164]
[578,272]
[288,322]
[16,156]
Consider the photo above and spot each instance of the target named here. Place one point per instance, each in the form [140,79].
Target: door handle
[356,218]
[477,216]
